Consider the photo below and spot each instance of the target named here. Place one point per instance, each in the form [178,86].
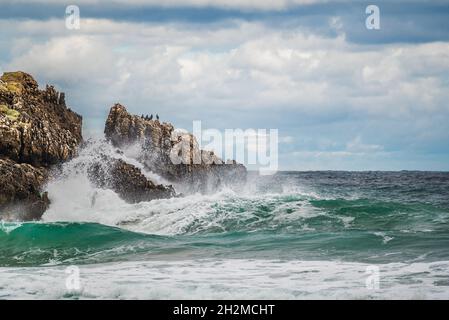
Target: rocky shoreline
[160,142]
[39,132]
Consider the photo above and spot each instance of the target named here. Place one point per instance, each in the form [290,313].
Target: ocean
[293,235]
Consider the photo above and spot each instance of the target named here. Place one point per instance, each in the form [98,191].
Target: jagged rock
[35,125]
[197,169]
[127,181]
[37,130]
[21,196]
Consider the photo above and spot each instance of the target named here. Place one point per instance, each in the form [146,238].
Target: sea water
[293,235]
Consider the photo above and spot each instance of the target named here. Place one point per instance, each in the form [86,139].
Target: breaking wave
[295,232]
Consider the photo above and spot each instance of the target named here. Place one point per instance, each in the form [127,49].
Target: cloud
[239,4]
[408,21]
[313,87]
[260,68]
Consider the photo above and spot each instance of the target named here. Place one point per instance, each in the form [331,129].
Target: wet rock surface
[37,131]
[21,196]
[172,154]
[127,181]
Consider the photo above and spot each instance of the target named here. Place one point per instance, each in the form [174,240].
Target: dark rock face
[123,129]
[37,130]
[127,181]
[20,191]
[36,127]
[159,142]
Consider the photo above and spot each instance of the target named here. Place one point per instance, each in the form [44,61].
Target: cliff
[35,125]
[37,130]
[161,143]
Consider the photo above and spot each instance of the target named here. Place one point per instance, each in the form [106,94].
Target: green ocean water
[370,217]
[294,235]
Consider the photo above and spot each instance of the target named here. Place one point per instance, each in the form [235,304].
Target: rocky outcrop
[21,196]
[172,154]
[37,131]
[127,181]
[36,127]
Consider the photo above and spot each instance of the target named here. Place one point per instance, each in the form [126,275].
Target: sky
[342,97]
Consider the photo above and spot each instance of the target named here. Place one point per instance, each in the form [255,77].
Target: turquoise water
[336,218]
[363,217]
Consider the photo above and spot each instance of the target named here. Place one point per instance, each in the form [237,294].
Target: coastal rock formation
[174,155]
[37,131]
[20,194]
[36,127]
[127,181]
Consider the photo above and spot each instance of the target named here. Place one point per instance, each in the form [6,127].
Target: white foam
[230,279]
[74,198]
[385,238]
[9,226]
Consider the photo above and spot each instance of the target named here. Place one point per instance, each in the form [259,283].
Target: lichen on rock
[37,131]
[12,114]
[44,132]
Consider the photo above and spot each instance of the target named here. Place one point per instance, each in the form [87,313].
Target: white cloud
[239,66]
[240,72]
[72,59]
[243,65]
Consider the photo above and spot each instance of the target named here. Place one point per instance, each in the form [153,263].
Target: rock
[37,131]
[127,181]
[21,196]
[35,125]
[174,155]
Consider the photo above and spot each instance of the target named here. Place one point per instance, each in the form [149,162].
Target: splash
[75,198]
